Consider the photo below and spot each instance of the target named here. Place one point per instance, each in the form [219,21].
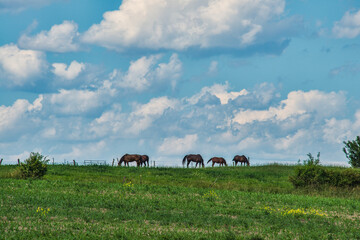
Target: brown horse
[144,160]
[130,158]
[242,159]
[193,158]
[221,161]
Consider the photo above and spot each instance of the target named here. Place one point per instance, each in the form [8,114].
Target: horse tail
[209,160]
[184,159]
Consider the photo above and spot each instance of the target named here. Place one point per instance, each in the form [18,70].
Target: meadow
[103,202]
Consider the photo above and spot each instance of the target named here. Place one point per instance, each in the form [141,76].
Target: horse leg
[196,164]
[213,164]
[188,163]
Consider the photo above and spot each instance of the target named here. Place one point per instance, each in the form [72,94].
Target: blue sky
[271,79]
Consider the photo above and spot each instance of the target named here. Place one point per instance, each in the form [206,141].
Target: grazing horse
[194,158]
[221,161]
[242,159]
[130,158]
[144,160]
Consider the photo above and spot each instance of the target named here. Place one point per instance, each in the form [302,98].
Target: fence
[94,162]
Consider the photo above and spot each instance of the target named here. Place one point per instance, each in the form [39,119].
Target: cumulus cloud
[175,145]
[60,38]
[181,25]
[297,103]
[135,122]
[68,72]
[17,116]
[144,115]
[348,26]
[218,90]
[78,102]
[20,65]
[146,72]
[299,123]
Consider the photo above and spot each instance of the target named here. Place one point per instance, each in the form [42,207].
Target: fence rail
[94,162]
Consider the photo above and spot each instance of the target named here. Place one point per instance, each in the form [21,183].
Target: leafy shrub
[352,152]
[312,174]
[34,167]
[311,161]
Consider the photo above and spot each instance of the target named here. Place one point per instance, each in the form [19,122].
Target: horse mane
[122,158]
[184,159]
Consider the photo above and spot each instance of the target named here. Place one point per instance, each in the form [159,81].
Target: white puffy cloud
[175,145]
[218,90]
[16,116]
[180,25]
[77,102]
[137,76]
[297,103]
[144,115]
[60,38]
[141,118]
[20,65]
[68,72]
[348,26]
[94,121]
[336,131]
[146,72]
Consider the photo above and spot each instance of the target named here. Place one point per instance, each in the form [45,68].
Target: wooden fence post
[1,161]
[18,161]
[53,161]
[74,162]
[154,163]
[113,162]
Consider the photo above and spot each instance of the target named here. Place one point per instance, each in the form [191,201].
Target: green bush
[34,167]
[352,152]
[312,174]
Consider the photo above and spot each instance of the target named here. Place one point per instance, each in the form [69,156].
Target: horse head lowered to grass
[130,158]
[193,158]
[242,159]
[221,161]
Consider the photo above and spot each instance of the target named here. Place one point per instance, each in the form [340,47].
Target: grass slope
[92,202]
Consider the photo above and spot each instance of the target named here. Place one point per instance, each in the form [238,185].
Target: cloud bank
[201,24]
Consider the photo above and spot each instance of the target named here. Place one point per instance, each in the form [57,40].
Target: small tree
[352,151]
[34,167]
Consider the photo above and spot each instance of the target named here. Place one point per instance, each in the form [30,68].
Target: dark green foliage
[312,174]
[352,152]
[34,167]
[311,161]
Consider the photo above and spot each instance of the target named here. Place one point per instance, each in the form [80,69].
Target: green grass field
[101,202]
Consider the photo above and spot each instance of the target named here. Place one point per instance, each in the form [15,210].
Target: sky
[271,79]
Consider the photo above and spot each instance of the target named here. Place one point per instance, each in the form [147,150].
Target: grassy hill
[92,202]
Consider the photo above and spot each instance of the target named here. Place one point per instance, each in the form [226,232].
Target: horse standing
[242,159]
[130,158]
[144,160]
[193,158]
[221,161]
